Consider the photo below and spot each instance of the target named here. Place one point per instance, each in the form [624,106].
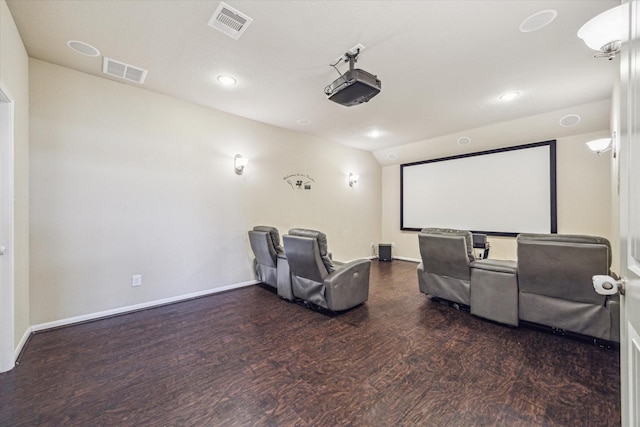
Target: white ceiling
[443,64]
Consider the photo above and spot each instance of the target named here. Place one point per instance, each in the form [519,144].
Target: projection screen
[501,192]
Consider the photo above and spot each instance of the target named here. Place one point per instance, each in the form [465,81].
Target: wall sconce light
[607,31]
[600,146]
[353,179]
[239,163]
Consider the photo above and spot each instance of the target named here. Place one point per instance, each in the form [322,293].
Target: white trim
[355,259]
[136,307]
[7,291]
[402,258]
[22,342]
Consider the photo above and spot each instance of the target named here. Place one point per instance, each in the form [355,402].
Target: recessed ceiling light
[569,120]
[83,48]
[464,140]
[392,156]
[538,20]
[226,80]
[374,133]
[509,96]
[304,122]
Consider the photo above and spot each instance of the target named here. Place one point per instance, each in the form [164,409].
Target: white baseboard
[135,307]
[22,343]
[402,258]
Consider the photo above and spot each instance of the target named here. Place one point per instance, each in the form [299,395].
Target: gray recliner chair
[555,285]
[317,279]
[270,263]
[445,269]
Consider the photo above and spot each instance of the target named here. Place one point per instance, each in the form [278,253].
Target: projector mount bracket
[351,57]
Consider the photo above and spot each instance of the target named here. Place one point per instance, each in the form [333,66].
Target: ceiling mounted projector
[354,87]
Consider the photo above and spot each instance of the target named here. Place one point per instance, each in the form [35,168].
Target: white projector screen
[499,192]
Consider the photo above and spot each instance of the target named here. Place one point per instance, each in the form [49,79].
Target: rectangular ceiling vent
[230,21]
[123,71]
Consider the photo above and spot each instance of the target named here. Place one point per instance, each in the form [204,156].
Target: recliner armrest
[497,265]
[346,266]
[613,305]
[348,285]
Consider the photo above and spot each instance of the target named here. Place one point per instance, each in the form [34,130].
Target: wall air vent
[230,21]
[123,71]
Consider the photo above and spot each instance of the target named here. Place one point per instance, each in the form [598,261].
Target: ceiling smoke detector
[230,21]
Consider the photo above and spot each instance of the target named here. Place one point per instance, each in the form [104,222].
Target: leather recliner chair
[555,284]
[317,279]
[270,263]
[445,270]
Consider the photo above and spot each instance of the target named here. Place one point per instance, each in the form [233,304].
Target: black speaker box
[384,252]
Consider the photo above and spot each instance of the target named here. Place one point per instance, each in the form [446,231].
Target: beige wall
[583,194]
[126,181]
[14,78]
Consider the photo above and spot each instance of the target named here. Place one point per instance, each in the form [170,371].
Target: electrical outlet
[136,280]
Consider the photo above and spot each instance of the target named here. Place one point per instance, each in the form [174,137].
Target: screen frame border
[553,214]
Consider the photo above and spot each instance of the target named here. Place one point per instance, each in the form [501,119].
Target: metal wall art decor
[299,181]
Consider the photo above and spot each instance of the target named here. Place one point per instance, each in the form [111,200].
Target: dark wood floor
[246,357]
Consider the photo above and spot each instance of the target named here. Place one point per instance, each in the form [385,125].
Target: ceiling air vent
[230,21]
[123,71]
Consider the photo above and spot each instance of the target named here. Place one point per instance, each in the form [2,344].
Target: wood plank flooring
[247,357]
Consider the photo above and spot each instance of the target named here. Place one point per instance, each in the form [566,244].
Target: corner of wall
[14,77]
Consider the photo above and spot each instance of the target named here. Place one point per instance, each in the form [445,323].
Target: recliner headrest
[321,238]
[273,232]
[468,237]
[566,238]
